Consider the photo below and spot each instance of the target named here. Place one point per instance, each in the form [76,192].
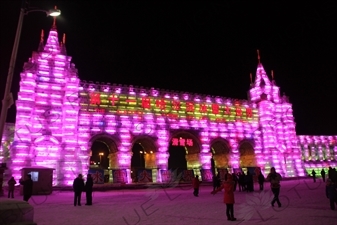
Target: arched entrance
[184,152]
[247,155]
[103,155]
[220,155]
[143,160]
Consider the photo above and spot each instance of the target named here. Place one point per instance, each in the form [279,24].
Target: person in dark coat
[241,182]
[11,186]
[27,187]
[331,193]
[78,187]
[330,172]
[334,175]
[250,182]
[235,179]
[275,179]
[261,181]
[313,173]
[88,189]
[196,184]
[323,175]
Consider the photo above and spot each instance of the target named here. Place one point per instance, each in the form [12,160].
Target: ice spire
[52,45]
[261,78]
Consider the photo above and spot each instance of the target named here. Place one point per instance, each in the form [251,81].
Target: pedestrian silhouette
[313,173]
[323,175]
[196,184]
[331,193]
[78,187]
[27,187]
[88,189]
[274,179]
[11,187]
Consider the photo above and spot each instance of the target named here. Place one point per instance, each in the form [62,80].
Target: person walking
[27,187]
[228,185]
[323,174]
[88,189]
[331,193]
[274,179]
[11,187]
[78,187]
[196,184]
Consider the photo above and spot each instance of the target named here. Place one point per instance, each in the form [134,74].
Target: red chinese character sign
[119,176]
[182,142]
[95,98]
[97,176]
[144,176]
[172,109]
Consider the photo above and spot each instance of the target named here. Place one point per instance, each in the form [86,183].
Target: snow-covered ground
[303,202]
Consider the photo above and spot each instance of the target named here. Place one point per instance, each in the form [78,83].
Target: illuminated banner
[97,176]
[100,102]
[119,176]
[144,176]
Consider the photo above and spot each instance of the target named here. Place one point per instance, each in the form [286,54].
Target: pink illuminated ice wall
[47,107]
[59,117]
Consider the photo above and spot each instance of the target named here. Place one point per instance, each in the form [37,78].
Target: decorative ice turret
[277,126]
[47,109]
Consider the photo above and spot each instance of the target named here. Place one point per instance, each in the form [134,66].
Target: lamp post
[7,101]
[100,158]
[140,158]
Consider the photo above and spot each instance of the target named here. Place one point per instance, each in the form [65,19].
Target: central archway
[220,154]
[184,150]
[103,155]
[143,160]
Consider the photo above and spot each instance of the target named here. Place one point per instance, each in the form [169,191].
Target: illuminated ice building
[59,117]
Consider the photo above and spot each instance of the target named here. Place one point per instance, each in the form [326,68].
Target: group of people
[229,186]
[80,186]
[245,181]
[332,174]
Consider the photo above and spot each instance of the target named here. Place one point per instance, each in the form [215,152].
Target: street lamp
[8,101]
[100,157]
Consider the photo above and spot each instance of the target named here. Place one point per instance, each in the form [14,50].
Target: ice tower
[47,112]
[277,125]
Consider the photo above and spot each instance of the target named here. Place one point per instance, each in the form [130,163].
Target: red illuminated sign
[182,142]
[171,108]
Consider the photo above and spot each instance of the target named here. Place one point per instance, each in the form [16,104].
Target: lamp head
[54,12]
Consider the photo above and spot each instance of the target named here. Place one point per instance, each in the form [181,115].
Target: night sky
[200,46]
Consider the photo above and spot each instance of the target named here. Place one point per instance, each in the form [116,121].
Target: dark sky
[199,46]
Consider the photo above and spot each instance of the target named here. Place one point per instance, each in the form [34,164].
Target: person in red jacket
[228,185]
[196,184]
